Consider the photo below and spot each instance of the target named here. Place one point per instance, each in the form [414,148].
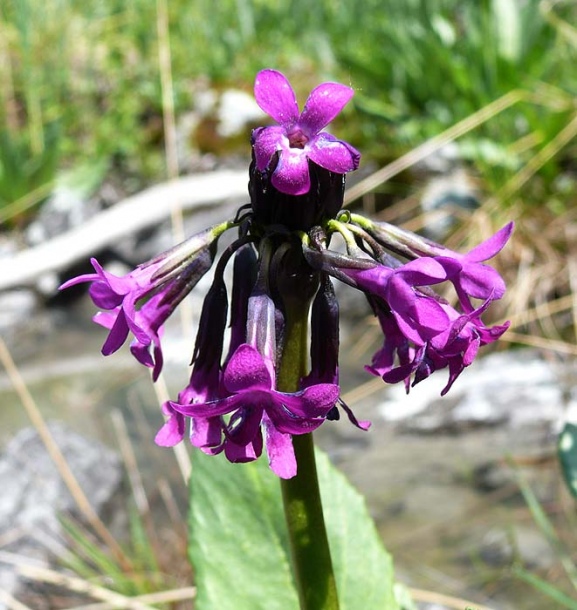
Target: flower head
[258,410]
[141,301]
[298,137]
[233,403]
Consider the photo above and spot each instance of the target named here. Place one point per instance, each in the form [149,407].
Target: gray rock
[34,496]
[518,389]
[65,209]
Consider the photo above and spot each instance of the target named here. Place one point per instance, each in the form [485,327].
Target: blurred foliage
[417,67]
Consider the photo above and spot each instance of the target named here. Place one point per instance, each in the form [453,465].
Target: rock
[65,209]
[517,388]
[16,307]
[34,496]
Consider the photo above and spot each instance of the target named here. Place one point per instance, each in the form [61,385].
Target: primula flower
[141,301]
[298,137]
[232,403]
[256,408]
[423,333]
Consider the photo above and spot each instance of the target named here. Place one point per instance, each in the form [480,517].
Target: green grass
[418,67]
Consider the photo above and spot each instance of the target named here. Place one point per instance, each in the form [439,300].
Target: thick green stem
[311,556]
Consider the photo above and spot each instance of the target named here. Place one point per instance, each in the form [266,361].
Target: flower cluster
[236,401]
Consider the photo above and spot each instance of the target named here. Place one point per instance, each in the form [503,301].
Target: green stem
[309,545]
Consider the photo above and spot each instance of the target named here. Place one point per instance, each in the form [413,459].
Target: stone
[517,389]
[34,496]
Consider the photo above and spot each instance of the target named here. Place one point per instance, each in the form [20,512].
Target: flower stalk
[310,553]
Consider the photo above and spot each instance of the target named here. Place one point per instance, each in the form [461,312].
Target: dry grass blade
[56,455]
[175,595]
[540,342]
[130,461]
[448,601]
[432,145]
[79,585]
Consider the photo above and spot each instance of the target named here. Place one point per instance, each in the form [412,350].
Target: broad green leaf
[238,540]
[363,568]
[239,545]
[567,449]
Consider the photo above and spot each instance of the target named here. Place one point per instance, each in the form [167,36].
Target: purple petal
[332,154]
[214,408]
[490,247]
[267,140]
[173,430]
[244,425]
[323,105]
[314,401]
[274,94]
[419,317]
[87,277]
[117,335]
[205,431]
[422,272]
[142,354]
[103,296]
[246,370]
[285,422]
[279,448]
[291,175]
[481,282]
[243,453]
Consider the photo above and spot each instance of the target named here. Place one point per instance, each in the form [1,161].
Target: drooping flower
[298,137]
[204,384]
[423,333]
[141,301]
[257,409]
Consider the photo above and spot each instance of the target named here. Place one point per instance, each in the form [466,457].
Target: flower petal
[267,140]
[291,175]
[490,247]
[333,154]
[246,370]
[205,431]
[173,430]
[315,401]
[274,94]
[279,448]
[244,425]
[243,453]
[323,105]
[117,335]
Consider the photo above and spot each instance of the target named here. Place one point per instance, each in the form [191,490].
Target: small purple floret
[258,412]
[298,137]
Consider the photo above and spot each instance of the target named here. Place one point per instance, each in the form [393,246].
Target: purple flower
[141,301]
[419,316]
[469,275]
[471,278]
[298,138]
[259,412]
[456,348]
[204,384]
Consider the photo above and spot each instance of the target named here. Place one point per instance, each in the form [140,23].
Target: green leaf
[239,545]
[363,568]
[237,537]
[567,451]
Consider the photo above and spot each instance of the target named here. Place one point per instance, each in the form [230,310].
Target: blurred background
[466,115]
